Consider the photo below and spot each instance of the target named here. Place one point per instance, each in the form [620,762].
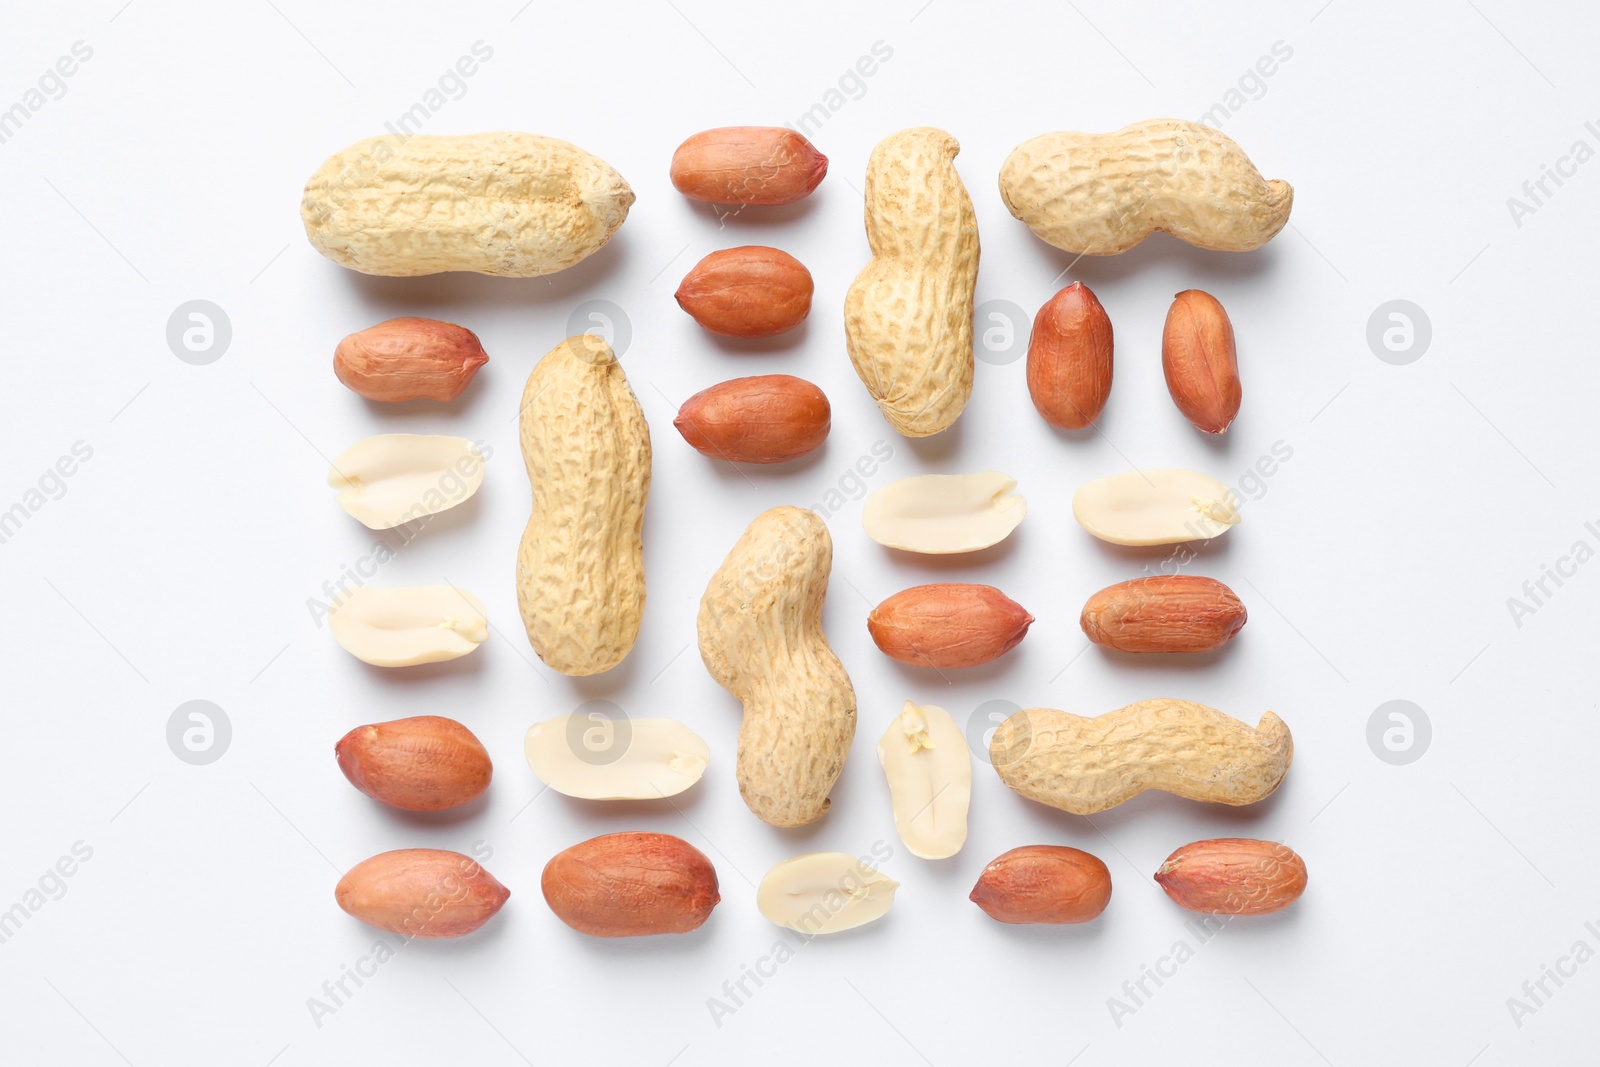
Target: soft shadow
[1049,934]
[405,410]
[449,817]
[1165,661]
[738,346]
[732,216]
[632,811]
[462,666]
[1214,548]
[940,446]
[659,945]
[734,475]
[1161,249]
[959,561]
[608,682]
[391,297]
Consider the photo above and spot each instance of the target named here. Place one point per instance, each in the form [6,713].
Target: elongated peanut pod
[1085,765]
[1100,194]
[580,567]
[516,205]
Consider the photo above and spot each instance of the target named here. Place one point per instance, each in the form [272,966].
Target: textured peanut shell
[1101,194]
[580,567]
[512,204]
[760,629]
[1085,765]
[908,314]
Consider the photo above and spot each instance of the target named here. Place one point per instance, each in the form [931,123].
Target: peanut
[1155,507]
[760,165]
[1069,358]
[595,758]
[1043,884]
[908,315]
[769,418]
[824,893]
[948,625]
[944,514]
[408,626]
[512,204]
[424,763]
[929,769]
[1101,194]
[750,291]
[1164,613]
[390,479]
[760,631]
[421,892]
[580,567]
[630,885]
[409,359]
[1233,876]
[1085,765]
[1200,361]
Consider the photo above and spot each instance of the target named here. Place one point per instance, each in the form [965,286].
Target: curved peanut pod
[1100,194]
[1085,765]
[513,204]
[908,314]
[760,629]
[580,567]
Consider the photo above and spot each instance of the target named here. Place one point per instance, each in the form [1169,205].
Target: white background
[1376,562]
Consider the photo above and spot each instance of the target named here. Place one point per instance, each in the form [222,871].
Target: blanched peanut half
[929,767]
[596,758]
[393,478]
[409,625]
[824,893]
[1155,507]
[940,514]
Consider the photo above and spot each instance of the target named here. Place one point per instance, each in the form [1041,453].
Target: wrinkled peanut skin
[1164,613]
[749,291]
[948,625]
[1043,884]
[1069,358]
[424,763]
[1201,361]
[631,885]
[764,166]
[1087,765]
[1233,876]
[409,359]
[770,418]
[421,892]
